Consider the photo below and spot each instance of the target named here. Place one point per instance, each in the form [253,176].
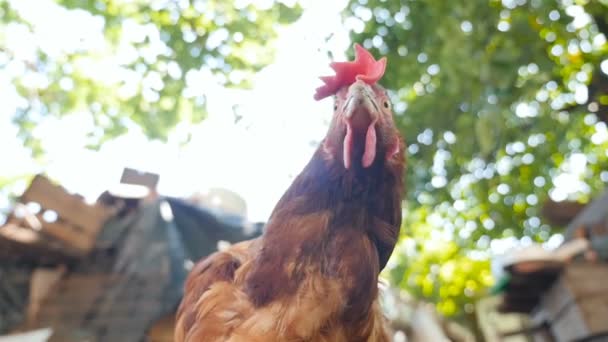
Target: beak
[360,108]
[360,114]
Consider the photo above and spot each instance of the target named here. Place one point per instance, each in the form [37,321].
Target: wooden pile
[48,223]
[576,307]
[564,296]
[112,271]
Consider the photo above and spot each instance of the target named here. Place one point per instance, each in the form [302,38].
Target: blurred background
[503,104]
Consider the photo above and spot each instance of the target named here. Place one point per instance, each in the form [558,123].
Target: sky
[256,158]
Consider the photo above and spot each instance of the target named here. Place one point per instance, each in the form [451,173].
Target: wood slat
[60,230]
[41,284]
[69,235]
[24,244]
[20,234]
[69,207]
[132,176]
[577,304]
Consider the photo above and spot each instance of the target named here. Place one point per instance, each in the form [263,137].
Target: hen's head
[362,132]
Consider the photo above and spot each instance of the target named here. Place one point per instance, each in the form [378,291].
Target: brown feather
[313,275]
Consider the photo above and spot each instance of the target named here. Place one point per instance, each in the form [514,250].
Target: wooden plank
[136,177]
[23,235]
[595,313]
[556,299]
[594,274]
[42,282]
[569,326]
[577,304]
[62,231]
[24,244]
[67,234]
[69,207]
[569,287]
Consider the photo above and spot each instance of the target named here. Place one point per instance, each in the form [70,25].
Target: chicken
[313,274]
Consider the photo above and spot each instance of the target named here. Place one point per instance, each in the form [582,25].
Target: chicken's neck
[343,223]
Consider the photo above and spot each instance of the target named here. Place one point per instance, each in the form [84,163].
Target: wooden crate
[47,217]
[576,306]
[20,244]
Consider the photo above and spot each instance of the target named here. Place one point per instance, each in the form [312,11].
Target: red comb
[364,68]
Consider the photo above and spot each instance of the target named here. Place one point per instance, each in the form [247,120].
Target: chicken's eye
[335,107]
[386,104]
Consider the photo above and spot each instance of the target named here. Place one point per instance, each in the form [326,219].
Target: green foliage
[494,98]
[144,70]
[10,189]
[430,264]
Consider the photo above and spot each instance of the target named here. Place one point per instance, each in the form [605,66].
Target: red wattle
[393,149]
[348,143]
[370,146]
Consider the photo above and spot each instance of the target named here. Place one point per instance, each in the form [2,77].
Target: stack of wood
[50,224]
[111,271]
[563,292]
[576,307]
